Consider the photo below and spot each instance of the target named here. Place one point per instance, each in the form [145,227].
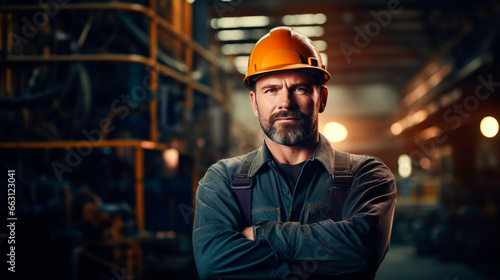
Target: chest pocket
[318,212]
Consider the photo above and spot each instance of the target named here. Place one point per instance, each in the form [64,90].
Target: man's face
[288,104]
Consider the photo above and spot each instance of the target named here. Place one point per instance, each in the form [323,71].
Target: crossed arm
[357,244]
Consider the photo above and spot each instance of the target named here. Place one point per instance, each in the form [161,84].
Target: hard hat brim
[324,76]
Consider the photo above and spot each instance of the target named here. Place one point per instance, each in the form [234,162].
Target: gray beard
[290,134]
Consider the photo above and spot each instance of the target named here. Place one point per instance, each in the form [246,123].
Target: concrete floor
[402,263]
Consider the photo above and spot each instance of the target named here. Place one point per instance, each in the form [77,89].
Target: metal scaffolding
[155,23]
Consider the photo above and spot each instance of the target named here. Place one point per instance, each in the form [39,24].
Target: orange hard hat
[284,49]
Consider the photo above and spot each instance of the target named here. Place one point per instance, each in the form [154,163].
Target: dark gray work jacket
[296,237]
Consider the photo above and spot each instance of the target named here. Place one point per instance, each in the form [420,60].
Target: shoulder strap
[242,186]
[342,181]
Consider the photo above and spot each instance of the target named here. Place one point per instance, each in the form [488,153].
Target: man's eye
[300,90]
[271,90]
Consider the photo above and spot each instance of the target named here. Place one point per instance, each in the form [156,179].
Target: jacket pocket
[263,214]
[318,212]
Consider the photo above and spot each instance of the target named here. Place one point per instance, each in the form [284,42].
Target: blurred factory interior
[111,111]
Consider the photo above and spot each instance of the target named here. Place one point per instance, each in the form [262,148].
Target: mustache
[286,114]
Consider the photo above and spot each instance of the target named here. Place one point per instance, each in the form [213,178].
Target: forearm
[220,248]
[229,255]
[357,243]
[333,247]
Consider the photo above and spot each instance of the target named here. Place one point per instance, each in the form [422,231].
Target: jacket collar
[323,154]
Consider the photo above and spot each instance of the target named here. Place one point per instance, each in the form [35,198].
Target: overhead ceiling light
[450,98]
[413,118]
[230,35]
[321,45]
[324,58]
[304,19]
[310,31]
[241,34]
[238,22]
[430,132]
[419,116]
[232,49]
[241,64]
[433,80]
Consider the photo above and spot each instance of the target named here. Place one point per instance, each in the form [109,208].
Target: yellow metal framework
[155,22]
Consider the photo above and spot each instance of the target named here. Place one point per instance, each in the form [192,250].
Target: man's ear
[323,96]
[253,98]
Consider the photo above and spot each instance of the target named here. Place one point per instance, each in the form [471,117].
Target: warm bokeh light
[396,128]
[419,116]
[404,166]
[335,132]
[425,163]
[171,157]
[489,127]
[430,132]
[148,145]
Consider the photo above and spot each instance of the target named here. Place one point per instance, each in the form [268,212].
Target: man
[313,213]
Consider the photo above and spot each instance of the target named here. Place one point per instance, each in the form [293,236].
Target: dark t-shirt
[291,173]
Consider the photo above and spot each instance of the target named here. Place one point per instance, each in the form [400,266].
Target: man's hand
[248,233]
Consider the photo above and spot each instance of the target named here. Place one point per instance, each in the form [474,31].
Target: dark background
[111,111]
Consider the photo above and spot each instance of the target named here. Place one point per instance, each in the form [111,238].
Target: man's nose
[286,100]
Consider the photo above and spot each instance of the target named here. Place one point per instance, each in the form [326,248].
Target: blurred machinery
[450,201]
[109,113]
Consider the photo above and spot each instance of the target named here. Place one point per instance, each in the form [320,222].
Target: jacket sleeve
[356,244]
[220,250]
